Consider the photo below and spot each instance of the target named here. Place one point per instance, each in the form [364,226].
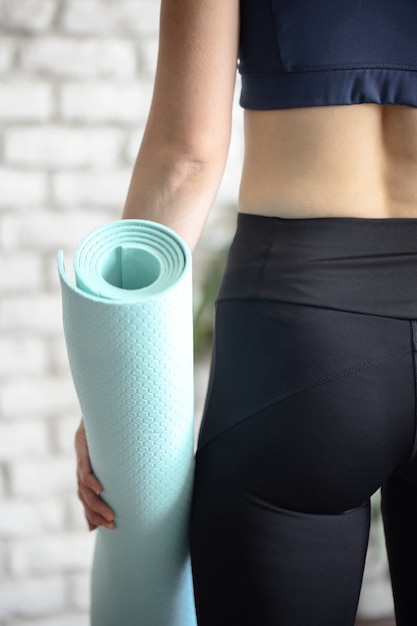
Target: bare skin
[345,161]
[341,161]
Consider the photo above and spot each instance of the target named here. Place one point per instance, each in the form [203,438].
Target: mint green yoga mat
[128,330]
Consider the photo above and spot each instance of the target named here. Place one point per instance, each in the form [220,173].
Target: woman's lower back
[338,161]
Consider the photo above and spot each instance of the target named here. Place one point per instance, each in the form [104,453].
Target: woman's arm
[184,148]
[183,151]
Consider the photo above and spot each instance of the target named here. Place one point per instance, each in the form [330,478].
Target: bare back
[337,161]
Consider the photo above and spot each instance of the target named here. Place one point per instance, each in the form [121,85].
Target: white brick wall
[52,147]
[28,16]
[21,189]
[84,59]
[75,87]
[32,597]
[25,101]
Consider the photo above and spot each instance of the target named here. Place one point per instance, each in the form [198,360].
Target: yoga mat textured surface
[128,330]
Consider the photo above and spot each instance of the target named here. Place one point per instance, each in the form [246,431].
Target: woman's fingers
[97,512]
[85,475]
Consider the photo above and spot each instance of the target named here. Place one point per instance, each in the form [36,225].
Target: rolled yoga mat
[128,330]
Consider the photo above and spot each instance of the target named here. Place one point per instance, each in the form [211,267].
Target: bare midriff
[338,161]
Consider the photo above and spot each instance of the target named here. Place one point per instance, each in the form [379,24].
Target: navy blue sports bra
[303,53]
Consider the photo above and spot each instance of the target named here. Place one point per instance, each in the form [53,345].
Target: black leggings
[311,408]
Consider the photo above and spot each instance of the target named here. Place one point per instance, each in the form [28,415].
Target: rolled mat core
[128,330]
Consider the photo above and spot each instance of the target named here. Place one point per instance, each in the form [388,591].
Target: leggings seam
[266,504]
[339,374]
[259,298]
[388,356]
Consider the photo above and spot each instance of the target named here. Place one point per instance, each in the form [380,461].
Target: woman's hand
[97,512]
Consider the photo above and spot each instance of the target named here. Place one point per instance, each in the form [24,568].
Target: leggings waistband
[352,264]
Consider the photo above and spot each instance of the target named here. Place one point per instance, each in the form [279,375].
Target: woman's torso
[333,161]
